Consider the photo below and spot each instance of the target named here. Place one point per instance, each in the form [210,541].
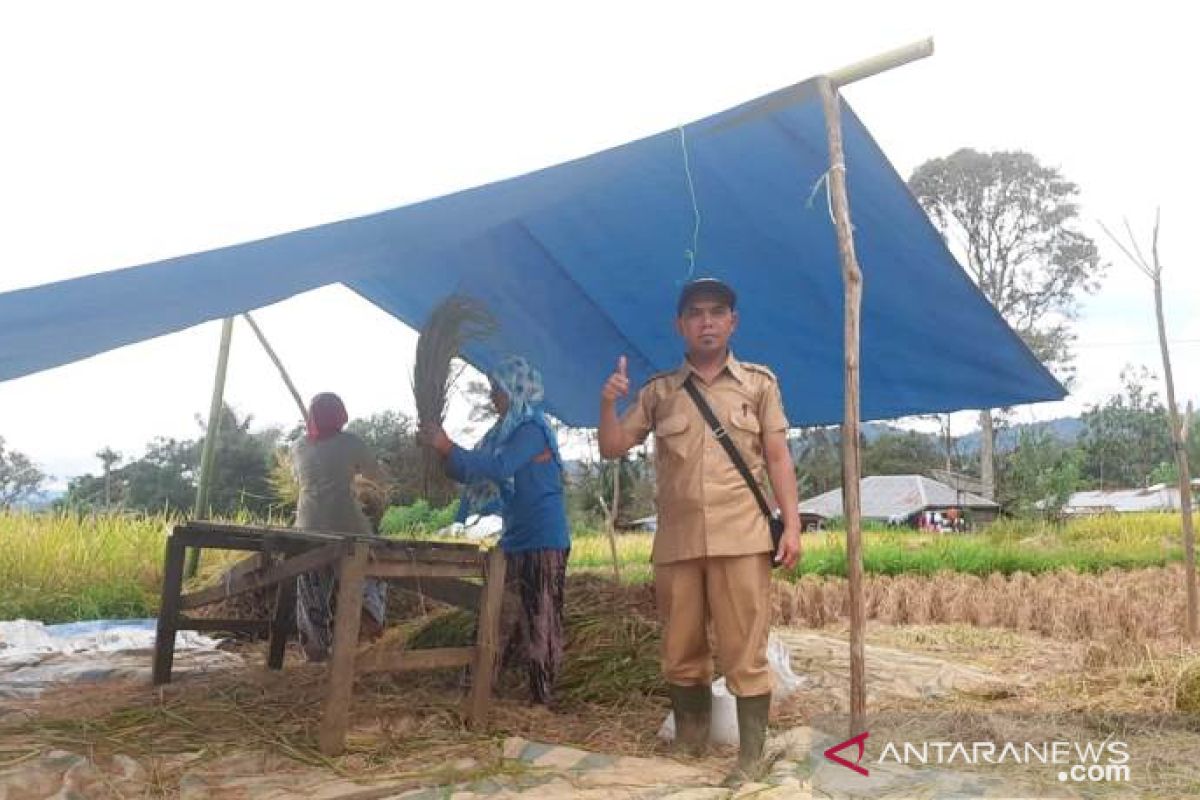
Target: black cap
[706,286]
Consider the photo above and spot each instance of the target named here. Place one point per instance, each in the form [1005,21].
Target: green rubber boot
[752,764]
[693,717]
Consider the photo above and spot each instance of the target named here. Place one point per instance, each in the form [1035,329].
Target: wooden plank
[238,625]
[168,613]
[230,538]
[200,527]
[288,568]
[219,540]
[453,591]
[419,569]
[409,660]
[395,555]
[282,623]
[487,642]
[335,715]
[449,547]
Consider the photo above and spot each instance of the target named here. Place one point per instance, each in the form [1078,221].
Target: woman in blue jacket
[516,468]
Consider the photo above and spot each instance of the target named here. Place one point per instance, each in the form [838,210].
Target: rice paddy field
[1014,632]
[63,567]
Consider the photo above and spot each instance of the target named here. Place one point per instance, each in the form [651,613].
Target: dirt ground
[229,729]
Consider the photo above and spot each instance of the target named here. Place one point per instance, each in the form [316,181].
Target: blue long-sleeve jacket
[536,517]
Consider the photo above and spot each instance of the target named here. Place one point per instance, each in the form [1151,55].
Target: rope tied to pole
[824,180]
[690,255]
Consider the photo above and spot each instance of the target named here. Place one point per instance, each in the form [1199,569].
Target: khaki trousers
[733,592]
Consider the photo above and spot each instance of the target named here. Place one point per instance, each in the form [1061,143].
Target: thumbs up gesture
[617,385]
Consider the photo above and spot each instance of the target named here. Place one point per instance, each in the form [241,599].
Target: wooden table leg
[486,644]
[168,611]
[335,716]
[282,624]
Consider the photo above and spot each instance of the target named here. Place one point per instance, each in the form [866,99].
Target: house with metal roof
[901,498]
[1159,497]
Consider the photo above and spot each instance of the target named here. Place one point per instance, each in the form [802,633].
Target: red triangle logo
[832,753]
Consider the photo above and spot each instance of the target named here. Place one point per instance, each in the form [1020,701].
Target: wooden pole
[1179,443]
[852,281]
[335,714]
[612,520]
[210,439]
[487,640]
[168,611]
[987,454]
[287,380]
[1178,425]
[851,468]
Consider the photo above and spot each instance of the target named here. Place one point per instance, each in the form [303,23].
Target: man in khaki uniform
[712,550]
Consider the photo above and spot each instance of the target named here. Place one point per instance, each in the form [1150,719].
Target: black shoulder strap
[723,437]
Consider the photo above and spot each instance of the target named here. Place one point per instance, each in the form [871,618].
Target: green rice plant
[61,566]
[417,518]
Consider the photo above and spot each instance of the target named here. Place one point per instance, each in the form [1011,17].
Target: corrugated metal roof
[1153,498]
[885,496]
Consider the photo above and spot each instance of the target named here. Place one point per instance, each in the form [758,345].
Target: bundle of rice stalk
[282,479]
[372,497]
[611,653]
[455,321]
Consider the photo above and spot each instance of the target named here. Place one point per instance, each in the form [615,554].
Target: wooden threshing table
[443,571]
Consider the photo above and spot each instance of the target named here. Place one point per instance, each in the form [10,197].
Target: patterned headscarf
[522,383]
[326,416]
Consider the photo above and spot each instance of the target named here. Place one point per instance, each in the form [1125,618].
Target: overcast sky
[138,131]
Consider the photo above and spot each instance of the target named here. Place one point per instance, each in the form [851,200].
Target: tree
[1126,438]
[1176,423]
[817,455]
[20,478]
[392,435]
[242,463]
[164,478]
[1039,474]
[901,453]
[479,394]
[590,490]
[108,457]
[1013,220]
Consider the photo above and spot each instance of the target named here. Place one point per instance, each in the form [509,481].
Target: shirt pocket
[746,431]
[670,434]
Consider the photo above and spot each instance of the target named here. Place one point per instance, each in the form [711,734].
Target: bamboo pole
[210,439]
[881,63]
[283,373]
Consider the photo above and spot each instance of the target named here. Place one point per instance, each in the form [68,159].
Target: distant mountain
[873,430]
[42,500]
[1065,429]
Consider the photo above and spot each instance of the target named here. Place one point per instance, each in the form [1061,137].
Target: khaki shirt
[705,507]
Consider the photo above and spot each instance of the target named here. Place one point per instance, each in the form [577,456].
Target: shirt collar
[732,366]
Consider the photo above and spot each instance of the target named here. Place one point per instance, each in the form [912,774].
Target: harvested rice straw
[456,321]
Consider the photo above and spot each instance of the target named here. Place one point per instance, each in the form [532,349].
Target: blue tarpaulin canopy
[582,262]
